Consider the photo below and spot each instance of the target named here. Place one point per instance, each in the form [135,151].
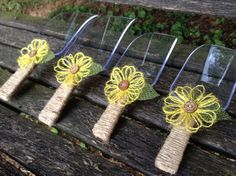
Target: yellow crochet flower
[33,53]
[125,85]
[71,69]
[191,108]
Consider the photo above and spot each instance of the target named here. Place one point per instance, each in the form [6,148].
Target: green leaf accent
[148,93]
[95,69]
[223,115]
[54,130]
[83,145]
[48,57]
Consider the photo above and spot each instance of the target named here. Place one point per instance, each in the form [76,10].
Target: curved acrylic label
[214,67]
[149,53]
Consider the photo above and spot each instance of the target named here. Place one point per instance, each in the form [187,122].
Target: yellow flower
[125,85]
[71,69]
[35,52]
[191,108]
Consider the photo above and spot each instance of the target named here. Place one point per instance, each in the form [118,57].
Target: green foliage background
[189,28]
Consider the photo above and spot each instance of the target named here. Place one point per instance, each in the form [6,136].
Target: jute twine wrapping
[55,105]
[171,153]
[107,122]
[9,88]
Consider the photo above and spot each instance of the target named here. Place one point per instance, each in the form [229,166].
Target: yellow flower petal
[173,99]
[197,92]
[115,96]
[172,109]
[130,93]
[117,75]
[128,72]
[64,65]
[208,117]
[41,49]
[183,93]
[24,61]
[137,82]
[175,119]
[77,56]
[24,51]
[209,101]
[204,115]
[192,123]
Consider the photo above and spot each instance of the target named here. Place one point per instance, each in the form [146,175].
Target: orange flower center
[124,84]
[190,106]
[74,69]
[32,53]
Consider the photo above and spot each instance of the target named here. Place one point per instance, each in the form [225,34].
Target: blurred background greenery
[189,28]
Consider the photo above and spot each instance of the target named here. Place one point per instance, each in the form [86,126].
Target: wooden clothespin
[70,71]
[125,86]
[35,53]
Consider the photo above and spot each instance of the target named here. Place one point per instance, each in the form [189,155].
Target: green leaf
[148,93]
[48,57]
[141,13]
[54,130]
[83,145]
[95,69]
[223,115]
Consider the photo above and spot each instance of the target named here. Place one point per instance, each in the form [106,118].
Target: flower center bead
[123,85]
[74,69]
[32,53]
[190,106]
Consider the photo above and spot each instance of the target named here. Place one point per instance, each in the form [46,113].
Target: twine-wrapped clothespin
[70,71]
[35,53]
[187,109]
[125,86]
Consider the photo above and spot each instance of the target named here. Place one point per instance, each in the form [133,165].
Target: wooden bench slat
[223,133]
[210,7]
[132,143]
[93,90]
[6,169]
[177,59]
[46,153]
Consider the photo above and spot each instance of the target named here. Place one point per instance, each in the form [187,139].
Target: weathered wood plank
[7,169]
[177,59]
[92,89]
[48,154]
[132,143]
[163,84]
[35,24]
[13,167]
[210,7]
[10,38]
[154,116]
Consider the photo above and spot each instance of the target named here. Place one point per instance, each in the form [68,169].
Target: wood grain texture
[221,137]
[45,153]
[210,7]
[178,57]
[6,169]
[179,54]
[131,143]
[79,121]
[7,160]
